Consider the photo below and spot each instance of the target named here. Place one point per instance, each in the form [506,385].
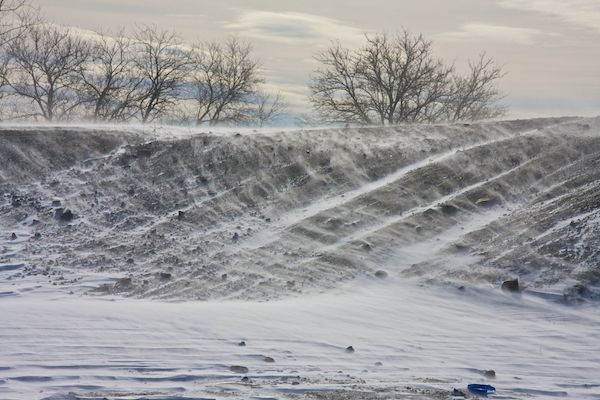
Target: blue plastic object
[481,389]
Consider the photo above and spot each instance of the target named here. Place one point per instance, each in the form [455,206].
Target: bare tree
[475,96]
[43,64]
[268,107]
[15,17]
[390,80]
[225,79]
[163,64]
[109,83]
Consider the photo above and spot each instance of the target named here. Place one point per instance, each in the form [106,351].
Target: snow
[319,214]
[424,337]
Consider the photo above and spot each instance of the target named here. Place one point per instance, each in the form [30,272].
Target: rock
[458,393]
[180,215]
[379,364]
[268,359]
[349,349]
[235,237]
[56,203]
[130,261]
[489,373]
[122,284]
[485,202]
[164,276]
[13,236]
[511,286]
[37,235]
[245,379]
[64,215]
[449,210]
[224,277]
[381,274]
[242,343]
[238,369]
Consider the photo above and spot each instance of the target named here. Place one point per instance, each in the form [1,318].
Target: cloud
[583,13]
[292,26]
[500,33]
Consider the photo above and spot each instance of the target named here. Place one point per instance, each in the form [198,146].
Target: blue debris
[481,389]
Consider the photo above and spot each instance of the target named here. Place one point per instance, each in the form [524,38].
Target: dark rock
[235,237]
[130,261]
[458,393]
[449,210]
[379,364]
[268,359]
[485,202]
[224,277]
[56,203]
[37,235]
[180,215]
[238,369]
[242,343]
[64,215]
[349,349]
[13,236]
[381,274]
[489,373]
[245,379]
[122,284]
[511,286]
[164,276]
[131,192]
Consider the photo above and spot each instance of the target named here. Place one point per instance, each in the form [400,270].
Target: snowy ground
[408,340]
[281,233]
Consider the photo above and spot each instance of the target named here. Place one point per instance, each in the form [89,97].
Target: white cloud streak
[293,27]
[486,32]
[582,13]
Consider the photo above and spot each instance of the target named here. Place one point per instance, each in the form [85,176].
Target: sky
[550,49]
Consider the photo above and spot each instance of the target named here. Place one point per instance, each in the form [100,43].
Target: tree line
[51,73]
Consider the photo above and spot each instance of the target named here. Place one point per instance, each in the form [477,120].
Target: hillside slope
[265,215]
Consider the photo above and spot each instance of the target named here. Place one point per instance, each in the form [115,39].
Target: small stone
[245,379]
[224,277]
[180,215]
[268,359]
[164,276]
[349,349]
[235,237]
[511,286]
[56,203]
[379,364]
[458,393]
[381,274]
[489,373]
[37,235]
[13,236]
[238,369]
[130,261]
[242,343]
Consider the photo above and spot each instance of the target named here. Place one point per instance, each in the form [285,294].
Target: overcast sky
[549,48]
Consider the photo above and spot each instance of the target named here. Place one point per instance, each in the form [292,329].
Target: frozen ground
[282,233]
